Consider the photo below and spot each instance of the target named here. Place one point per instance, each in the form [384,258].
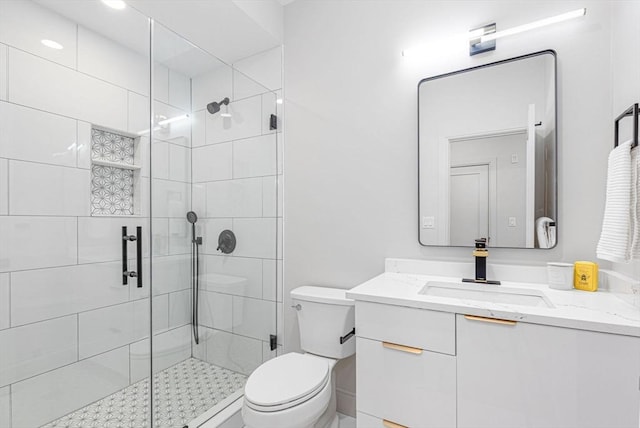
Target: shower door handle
[126,273]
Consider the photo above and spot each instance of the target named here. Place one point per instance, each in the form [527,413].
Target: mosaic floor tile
[181,393]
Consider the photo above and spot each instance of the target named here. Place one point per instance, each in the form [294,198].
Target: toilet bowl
[297,390]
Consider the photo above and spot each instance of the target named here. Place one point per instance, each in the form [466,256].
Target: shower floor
[181,393]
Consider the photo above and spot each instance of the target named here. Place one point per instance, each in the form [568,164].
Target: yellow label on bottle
[586,276]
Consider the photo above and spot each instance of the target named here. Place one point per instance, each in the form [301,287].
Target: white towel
[615,239]
[635,204]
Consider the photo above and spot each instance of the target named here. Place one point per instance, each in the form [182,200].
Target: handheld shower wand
[195,274]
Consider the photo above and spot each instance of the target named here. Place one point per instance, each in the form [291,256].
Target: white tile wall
[270,283]
[38,83]
[107,328]
[178,132]
[42,294]
[171,273]
[256,237]
[199,197]
[255,157]
[160,236]
[98,242]
[271,188]
[56,191]
[179,90]
[161,83]
[211,163]
[179,163]
[238,353]
[253,317]
[245,121]
[245,87]
[215,310]
[3,72]
[169,348]
[52,141]
[232,275]
[5,407]
[170,198]
[5,314]
[265,68]
[83,149]
[198,128]
[36,348]
[179,236]
[138,113]
[235,198]
[107,60]
[211,86]
[37,242]
[4,187]
[179,308]
[160,159]
[270,106]
[24,24]
[43,398]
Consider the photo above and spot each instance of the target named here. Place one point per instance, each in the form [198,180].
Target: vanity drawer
[418,328]
[408,386]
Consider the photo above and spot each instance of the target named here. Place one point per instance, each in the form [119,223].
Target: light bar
[532,25]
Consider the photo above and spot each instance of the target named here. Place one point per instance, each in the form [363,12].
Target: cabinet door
[528,375]
[406,386]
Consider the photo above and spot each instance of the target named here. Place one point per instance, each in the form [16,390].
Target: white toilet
[298,390]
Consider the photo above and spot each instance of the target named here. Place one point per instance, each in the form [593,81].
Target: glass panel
[74,85]
[215,222]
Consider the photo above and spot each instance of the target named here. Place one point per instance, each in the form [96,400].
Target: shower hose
[195,275]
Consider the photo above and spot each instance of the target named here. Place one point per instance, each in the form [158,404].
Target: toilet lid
[290,378]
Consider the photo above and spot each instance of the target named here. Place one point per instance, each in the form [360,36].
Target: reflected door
[469,206]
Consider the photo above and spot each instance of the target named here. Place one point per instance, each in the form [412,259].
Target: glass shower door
[74,167]
[215,221]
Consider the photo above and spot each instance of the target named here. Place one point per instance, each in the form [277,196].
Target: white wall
[351,152]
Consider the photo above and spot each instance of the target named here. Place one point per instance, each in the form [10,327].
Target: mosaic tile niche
[112,173]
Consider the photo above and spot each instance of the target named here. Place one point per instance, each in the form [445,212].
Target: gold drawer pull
[389,424]
[402,348]
[493,320]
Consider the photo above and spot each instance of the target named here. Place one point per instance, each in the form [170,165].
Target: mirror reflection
[487,154]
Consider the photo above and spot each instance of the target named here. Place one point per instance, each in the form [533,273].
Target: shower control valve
[297,307]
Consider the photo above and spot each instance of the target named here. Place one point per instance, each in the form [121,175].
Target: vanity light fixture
[115,4]
[483,39]
[51,44]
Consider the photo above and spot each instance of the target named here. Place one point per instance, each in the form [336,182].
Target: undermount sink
[486,293]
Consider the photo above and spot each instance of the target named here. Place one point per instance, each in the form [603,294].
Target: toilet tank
[324,316]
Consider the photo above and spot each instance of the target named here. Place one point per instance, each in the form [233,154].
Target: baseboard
[346,402]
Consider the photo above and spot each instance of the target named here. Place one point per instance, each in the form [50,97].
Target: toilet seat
[286,381]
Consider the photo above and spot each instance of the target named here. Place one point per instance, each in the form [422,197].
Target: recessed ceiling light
[51,44]
[115,4]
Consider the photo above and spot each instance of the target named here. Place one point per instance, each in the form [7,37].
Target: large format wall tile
[115,63]
[170,198]
[179,308]
[37,242]
[211,86]
[264,67]
[48,293]
[138,114]
[179,163]
[179,90]
[169,348]
[271,194]
[99,238]
[3,72]
[198,128]
[4,301]
[103,329]
[36,348]
[232,275]
[233,352]
[4,186]
[256,237]
[210,229]
[5,407]
[24,24]
[235,198]
[215,310]
[245,87]
[245,121]
[212,163]
[178,131]
[53,141]
[38,83]
[179,236]
[37,189]
[254,318]
[43,398]
[255,157]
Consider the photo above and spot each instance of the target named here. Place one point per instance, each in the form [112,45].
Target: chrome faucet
[481,253]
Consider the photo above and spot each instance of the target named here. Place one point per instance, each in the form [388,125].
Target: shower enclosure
[107,141]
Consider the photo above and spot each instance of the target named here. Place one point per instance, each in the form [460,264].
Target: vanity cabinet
[527,375]
[422,368]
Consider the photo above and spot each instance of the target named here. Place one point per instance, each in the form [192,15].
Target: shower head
[214,107]
[192,217]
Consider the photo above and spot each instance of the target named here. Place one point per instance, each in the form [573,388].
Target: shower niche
[114,173]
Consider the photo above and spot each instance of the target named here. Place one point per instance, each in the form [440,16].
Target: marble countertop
[595,311]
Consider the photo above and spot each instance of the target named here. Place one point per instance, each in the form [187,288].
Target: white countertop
[595,311]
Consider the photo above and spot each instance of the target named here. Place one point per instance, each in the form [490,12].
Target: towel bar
[631,111]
